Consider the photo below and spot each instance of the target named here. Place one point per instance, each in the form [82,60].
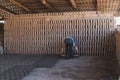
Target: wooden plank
[45,3]
[73,4]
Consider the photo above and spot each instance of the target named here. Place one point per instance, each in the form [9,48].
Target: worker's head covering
[69,37]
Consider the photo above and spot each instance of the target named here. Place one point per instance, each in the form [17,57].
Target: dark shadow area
[2,33]
[15,67]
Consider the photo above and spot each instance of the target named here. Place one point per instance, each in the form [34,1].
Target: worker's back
[69,41]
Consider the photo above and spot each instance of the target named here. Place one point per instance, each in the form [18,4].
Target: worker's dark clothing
[69,51]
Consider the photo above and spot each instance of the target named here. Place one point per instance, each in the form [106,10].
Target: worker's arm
[75,47]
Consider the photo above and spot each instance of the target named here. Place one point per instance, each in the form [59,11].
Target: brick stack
[44,33]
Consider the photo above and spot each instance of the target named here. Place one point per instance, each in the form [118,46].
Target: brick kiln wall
[44,33]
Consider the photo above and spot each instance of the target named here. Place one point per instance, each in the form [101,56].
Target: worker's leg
[67,52]
[72,53]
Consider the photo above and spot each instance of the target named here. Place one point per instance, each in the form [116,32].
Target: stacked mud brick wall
[44,33]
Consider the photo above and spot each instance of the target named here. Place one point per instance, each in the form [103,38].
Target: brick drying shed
[32,34]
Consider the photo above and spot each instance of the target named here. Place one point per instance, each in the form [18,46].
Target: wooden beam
[73,4]
[45,3]
[5,14]
[20,5]
[6,10]
[88,3]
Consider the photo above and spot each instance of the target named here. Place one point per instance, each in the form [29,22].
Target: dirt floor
[81,68]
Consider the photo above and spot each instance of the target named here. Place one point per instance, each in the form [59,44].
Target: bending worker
[70,47]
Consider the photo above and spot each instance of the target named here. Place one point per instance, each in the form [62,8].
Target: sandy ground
[82,68]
